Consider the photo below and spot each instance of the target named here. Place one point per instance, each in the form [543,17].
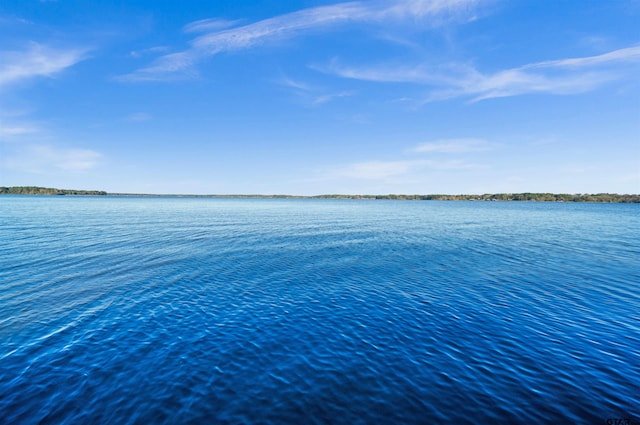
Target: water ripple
[164,310]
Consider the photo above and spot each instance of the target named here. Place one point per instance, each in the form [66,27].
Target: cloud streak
[217,39]
[36,61]
[11,131]
[453,146]
[312,95]
[139,117]
[210,25]
[376,170]
[45,158]
[564,76]
[382,170]
[450,158]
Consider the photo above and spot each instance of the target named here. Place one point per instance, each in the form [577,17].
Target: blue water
[256,311]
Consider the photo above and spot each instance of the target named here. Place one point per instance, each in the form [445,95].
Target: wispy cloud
[148,51]
[453,146]
[218,39]
[13,130]
[138,117]
[47,158]
[36,60]
[329,97]
[376,170]
[295,84]
[451,158]
[75,159]
[563,76]
[621,55]
[311,94]
[382,170]
[15,126]
[205,25]
[441,75]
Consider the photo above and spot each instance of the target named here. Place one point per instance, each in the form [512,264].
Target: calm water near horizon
[125,310]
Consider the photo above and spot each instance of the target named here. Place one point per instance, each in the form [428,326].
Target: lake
[127,310]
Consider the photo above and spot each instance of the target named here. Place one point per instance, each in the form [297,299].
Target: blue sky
[311,97]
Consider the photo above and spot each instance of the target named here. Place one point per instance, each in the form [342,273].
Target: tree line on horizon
[36,190]
[526,196]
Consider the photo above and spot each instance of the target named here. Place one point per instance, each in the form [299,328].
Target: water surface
[175,310]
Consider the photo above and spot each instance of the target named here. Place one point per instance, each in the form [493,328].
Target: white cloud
[329,97]
[76,159]
[214,24]
[47,158]
[12,20]
[139,117]
[453,146]
[376,170]
[563,76]
[285,26]
[15,126]
[36,61]
[294,84]
[148,51]
[629,54]
[310,94]
[6,131]
[416,168]
[382,170]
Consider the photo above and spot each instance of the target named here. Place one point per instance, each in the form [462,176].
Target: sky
[321,97]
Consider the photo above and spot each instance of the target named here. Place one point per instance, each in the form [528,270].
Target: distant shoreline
[525,196]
